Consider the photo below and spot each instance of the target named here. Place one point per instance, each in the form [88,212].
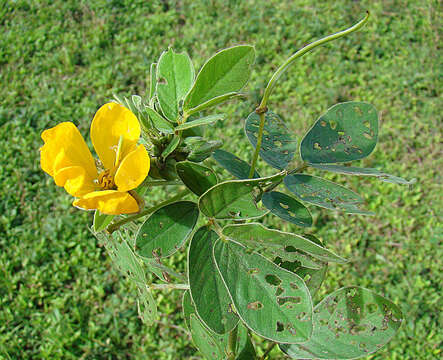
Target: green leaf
[273,302]
[234,165]
[101,221]
[287,208]
[175,74]
[275,243]
[348,131]
[215,101]
[324,193]
[226,72]
[127,263]
[196,177]
[200,122]
[313,278]
[166,230]
[351,170]
[205,341]
[163,272]
[348,324]
[152,80]
[235,199]
[245,349]
[199,149]
[171,147]
[277,147]
[159,122]
[188,309]
[208,291]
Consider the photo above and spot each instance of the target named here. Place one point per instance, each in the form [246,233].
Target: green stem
[298,169]
[169,286]
[268,350]
[162,182]
[258,146]
[303,51]
[218,229]
[232,343]
[115,226]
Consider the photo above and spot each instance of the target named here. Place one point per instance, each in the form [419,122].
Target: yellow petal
[75,180]
[111,122]
[133,169]
[109,202]
[65,147]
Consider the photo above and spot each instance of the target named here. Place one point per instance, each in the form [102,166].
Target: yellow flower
[65,156]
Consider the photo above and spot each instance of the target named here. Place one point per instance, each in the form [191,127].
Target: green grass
[59,61]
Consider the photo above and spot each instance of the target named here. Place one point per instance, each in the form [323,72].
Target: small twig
[169,286]
[115,226]
[268,350]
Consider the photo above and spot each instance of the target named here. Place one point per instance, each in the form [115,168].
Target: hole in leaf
[280,327]
[293,286]
[256,305]
[351,292]
[317,146]
[279,291]
[162,80]
[290,248]
[372,308]
[291,329]
[284,206]
[323,322]
[367,136]
[253,271]
[272,280]
[291,299]
[358,110]
[333,124]
[301,315]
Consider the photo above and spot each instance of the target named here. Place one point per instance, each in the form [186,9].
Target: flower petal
[133,169]
[111,122]
[75,180]
[64,146]
[108,202]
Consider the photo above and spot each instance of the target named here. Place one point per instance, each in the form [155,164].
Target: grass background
[61,60]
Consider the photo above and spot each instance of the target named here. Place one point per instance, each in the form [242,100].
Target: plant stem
[232,343]
[115,226]
[268,350]
[169,286]
[303,51]
[298,169]
[258,146]
[162,182]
